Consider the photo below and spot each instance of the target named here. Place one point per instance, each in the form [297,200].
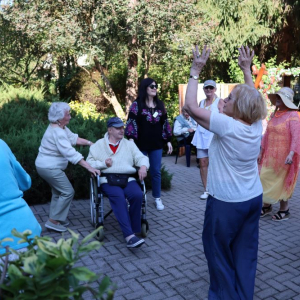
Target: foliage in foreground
[48,270]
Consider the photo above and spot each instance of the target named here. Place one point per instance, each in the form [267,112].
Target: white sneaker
[158,203]
[204,196]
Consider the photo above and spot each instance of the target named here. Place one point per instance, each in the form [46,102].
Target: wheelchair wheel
[145,228]
[93,198]
[100,234]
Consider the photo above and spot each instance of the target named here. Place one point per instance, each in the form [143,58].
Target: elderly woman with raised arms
[55,152]
[230,231]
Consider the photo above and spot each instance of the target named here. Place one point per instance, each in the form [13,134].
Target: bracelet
[89,143]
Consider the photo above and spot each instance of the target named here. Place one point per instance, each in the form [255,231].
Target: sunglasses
[153,86]
[209,87]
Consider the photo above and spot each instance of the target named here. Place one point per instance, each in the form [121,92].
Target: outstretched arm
[200,115]
[245,60]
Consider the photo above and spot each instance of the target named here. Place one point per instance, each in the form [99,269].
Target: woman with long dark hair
[148,126]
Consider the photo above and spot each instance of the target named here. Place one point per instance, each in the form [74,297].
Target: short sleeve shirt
[233,172]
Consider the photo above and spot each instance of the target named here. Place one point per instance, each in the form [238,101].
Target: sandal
[266,210]
[281,215]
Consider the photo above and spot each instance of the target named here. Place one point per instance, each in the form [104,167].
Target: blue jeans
[230,241]
[155,166]
[129,221]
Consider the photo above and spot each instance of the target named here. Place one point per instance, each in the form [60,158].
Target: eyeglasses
[209,87]
[153,86]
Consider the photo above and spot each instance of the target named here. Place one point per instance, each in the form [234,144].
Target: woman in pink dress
[279,156]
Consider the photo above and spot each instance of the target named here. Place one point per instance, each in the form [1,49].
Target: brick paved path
[171,264]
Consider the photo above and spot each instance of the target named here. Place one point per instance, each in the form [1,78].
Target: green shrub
[47,270]
[9,93]
[166,178]
[86,109]
[22,126]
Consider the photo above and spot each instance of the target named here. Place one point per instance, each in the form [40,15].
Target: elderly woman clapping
[55,152]
[230,230]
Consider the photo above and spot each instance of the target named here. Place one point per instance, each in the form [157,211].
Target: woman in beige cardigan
[55,152]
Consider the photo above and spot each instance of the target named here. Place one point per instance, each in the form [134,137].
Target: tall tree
[143,30]
[243,22]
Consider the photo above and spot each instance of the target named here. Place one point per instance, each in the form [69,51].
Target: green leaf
[48,247]
[14,272]
[18,234]
[83,274]
[67,252]
[56,262]
[22,241]
[95,245]
[7,240]
[91,235]
[52,276]
[74,234]
[105,283]
[31,265]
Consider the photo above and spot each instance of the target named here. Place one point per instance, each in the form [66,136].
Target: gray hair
[57,111]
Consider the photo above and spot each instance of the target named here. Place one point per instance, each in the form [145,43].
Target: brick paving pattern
[171,264]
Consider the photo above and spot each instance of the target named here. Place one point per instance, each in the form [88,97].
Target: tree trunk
[110,94]
[131,81]
[285,44]
[60,75]
[132,62]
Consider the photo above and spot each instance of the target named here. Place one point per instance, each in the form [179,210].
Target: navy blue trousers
[155,166]
[230,241]
[129,220]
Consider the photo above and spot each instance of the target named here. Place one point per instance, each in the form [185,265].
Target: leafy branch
[47,269]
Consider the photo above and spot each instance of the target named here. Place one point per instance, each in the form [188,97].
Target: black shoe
[135,242]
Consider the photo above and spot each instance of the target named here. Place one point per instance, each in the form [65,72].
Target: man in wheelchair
[117,158]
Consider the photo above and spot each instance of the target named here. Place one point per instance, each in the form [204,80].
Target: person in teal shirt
[14,211]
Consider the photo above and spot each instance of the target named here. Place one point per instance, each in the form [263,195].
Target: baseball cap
[115,122]
[210,83]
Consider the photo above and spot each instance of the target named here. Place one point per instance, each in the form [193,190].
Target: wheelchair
[97,207]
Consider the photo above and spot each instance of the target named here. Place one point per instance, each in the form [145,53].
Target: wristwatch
[194,77]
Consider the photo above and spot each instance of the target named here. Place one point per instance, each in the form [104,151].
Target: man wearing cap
[115,155]
[203,137]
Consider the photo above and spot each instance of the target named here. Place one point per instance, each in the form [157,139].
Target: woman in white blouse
[55,152]
[203,137]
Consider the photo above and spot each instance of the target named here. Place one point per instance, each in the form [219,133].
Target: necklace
[209,106]
[279,113]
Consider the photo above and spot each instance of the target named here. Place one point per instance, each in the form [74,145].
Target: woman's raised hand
[245,58]
[199,60]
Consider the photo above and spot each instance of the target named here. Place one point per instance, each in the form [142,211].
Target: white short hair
[57,111]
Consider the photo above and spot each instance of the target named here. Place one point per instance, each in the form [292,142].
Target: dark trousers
[129,220]
[230,240]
